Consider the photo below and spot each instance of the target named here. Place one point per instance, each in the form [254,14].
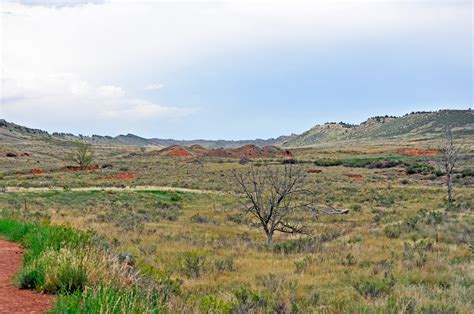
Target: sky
[229,69]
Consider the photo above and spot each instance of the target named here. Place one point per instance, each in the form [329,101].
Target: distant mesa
[247,151]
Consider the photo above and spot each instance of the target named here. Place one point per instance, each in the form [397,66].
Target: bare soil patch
[419,152]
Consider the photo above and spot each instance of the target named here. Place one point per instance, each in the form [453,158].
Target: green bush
[374,287]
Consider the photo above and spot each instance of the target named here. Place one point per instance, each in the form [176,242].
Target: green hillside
[414,126]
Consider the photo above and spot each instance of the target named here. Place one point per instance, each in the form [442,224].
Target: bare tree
[83,154]
[274,195]
[451,152]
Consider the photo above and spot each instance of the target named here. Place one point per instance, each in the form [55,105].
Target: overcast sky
[229,69]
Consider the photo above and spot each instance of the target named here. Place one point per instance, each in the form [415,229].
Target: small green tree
[83,154]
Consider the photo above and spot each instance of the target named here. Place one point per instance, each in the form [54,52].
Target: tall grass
[87,277]
[108,300]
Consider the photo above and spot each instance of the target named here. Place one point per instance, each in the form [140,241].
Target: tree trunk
[270,240]
[449,183]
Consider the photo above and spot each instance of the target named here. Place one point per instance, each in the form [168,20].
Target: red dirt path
[13,300]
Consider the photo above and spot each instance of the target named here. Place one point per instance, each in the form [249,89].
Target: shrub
[421,168]
[439,308]
[212,304]
[271,282]
[248,301]
[303,264]
[200,219]
[416,253]
[192,264]
[224,264]
[236,218]
[307,245]
[175,198]
[393,231]
[374,287]
[383,164]
[327,162]
[289,161]
[349,260]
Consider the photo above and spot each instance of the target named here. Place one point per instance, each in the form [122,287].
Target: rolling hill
[410,127]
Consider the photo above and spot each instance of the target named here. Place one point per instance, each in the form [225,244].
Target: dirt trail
[111,188]
[13,300]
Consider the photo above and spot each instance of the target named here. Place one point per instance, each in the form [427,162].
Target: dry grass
[136,223]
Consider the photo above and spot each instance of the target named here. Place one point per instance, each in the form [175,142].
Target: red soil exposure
[314,171]
[122,176]
[37,171]
[77,168]
[13,300]
[419,152]
[248,151]
[179,153]
[354,176]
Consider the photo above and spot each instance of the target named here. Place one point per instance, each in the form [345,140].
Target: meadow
[401,247]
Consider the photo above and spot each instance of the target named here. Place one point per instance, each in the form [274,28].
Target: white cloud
[57,3]
[138,109]
[157,86]
[61,98]
[110,91]
[78,59]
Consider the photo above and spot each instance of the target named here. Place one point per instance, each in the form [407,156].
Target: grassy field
[401,248]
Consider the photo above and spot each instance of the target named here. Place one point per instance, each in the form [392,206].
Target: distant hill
[11,132]
[413,126]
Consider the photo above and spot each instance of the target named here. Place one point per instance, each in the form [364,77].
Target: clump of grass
[71,269]
[108,300]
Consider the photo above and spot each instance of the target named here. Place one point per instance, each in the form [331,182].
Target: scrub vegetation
[114,238]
